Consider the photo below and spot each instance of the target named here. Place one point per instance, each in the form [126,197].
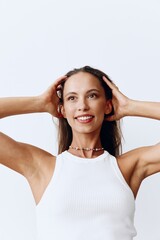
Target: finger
[59,80]
[110,84]
[56,83]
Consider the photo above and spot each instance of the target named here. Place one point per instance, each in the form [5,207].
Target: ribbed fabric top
[86,199]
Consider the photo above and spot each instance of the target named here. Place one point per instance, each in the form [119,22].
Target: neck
[86,141]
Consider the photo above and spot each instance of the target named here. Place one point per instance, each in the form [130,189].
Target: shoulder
[145,159]
[132,168]
[133,161]
[21,157]
[41,159]
[35,164]
[138,164]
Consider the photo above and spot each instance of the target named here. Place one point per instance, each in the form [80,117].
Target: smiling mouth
[84,119]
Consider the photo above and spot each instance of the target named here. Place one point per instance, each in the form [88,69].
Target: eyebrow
[91,90]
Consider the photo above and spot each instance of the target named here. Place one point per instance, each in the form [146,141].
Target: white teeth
[84,118]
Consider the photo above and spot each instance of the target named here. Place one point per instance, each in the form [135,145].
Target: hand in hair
[120,102]
[50,99]
[123,106]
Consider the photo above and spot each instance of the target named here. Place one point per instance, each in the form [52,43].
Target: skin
[38,165]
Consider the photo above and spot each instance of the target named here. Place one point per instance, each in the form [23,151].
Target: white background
[42,40]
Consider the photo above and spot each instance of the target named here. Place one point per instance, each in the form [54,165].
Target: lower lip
[85,121]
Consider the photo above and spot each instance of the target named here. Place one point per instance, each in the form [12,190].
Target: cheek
[69,115]
[99,107]
[100,111]
[68,110]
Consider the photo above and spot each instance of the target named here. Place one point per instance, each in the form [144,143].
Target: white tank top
[86,199]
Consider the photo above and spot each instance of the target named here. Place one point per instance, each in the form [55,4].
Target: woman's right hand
[50,100]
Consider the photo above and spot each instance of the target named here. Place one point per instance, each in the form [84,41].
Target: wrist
[130,109]
[40,105]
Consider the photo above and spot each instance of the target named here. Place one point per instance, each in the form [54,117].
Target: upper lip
[84,115]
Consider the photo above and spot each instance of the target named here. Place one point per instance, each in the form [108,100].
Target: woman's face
[84,103]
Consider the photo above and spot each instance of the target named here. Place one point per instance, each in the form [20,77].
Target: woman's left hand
[119,101]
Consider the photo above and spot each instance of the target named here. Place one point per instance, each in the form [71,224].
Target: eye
[71,98]
[92,95]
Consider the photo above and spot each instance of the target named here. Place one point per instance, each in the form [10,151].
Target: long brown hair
[110,134]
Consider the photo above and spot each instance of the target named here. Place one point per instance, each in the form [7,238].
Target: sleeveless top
[86,199]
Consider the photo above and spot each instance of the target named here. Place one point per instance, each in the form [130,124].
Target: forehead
[82,80]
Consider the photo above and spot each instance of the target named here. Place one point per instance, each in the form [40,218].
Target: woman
[88,190]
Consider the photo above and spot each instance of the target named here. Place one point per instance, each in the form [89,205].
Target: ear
[108,107]
[62,110]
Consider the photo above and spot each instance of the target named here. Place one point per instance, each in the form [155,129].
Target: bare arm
[13,154]
[144,161]
[22,157]
[138,164]
[143,109]
[19,105]
[150,159]
[46,102]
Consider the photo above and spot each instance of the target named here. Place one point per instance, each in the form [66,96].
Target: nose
[83,105]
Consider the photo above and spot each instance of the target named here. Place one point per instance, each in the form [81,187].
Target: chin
[84,130]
